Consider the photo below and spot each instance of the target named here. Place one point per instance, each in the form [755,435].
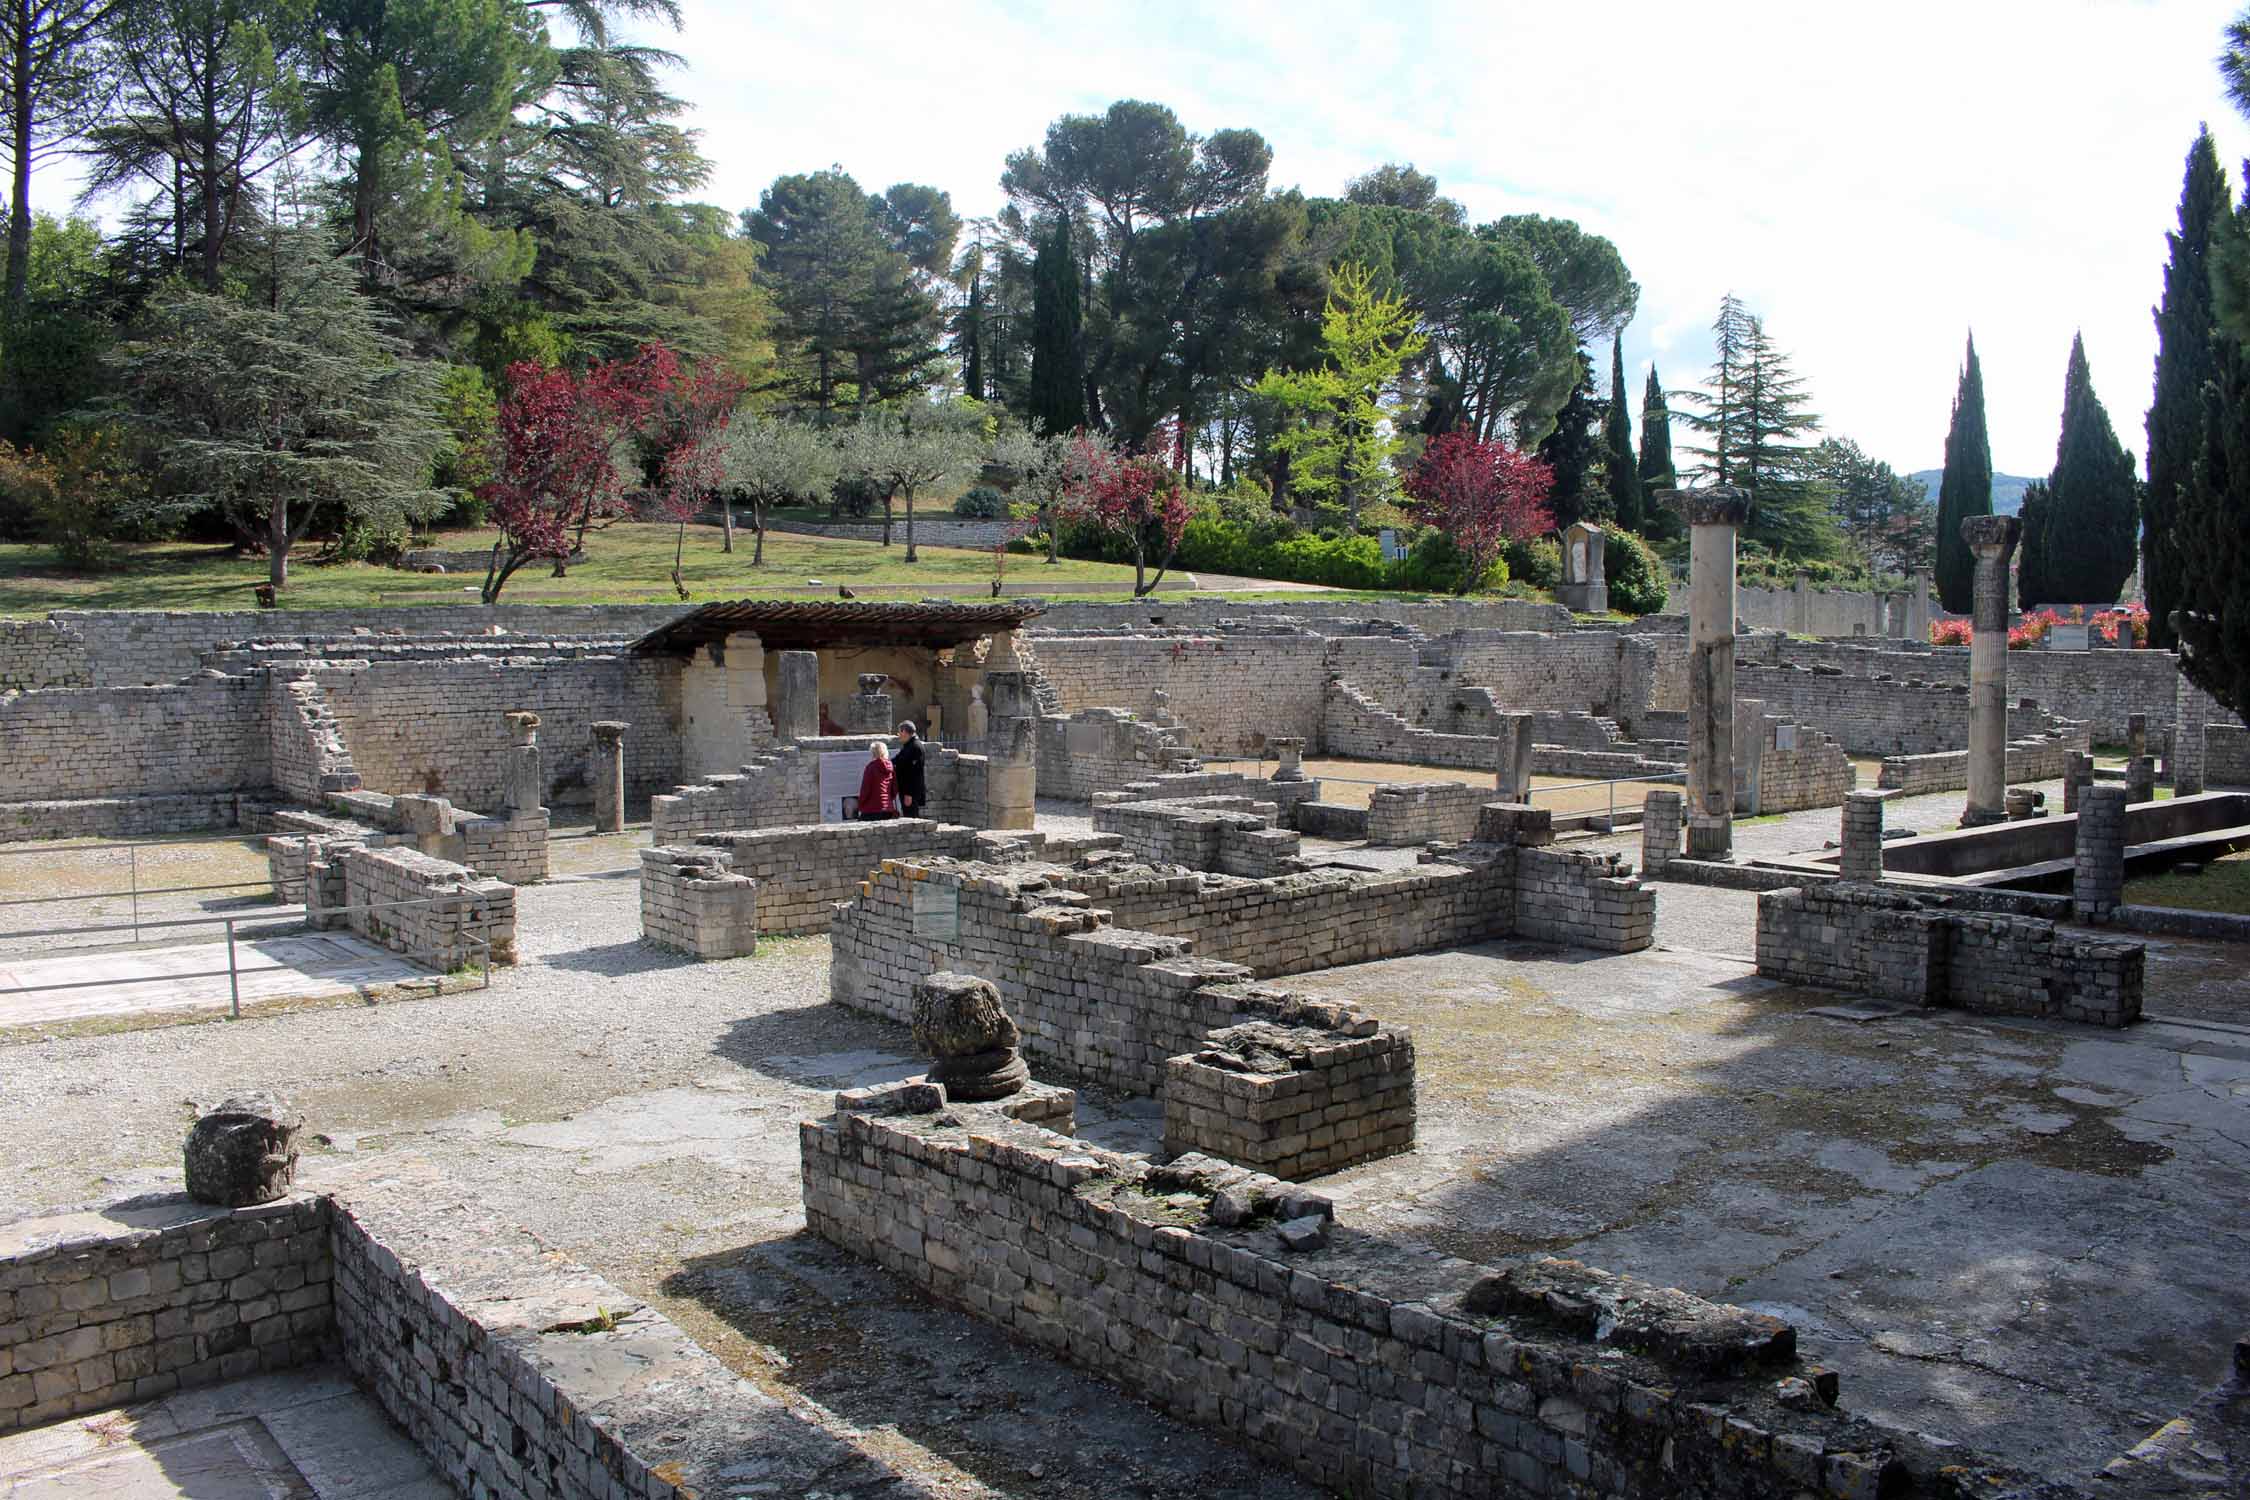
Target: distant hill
[2007,489]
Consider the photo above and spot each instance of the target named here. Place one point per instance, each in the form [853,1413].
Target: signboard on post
[839,784]
[1392,551]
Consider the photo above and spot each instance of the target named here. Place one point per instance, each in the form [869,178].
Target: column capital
[609,731]
[1713,505]
[1991,534]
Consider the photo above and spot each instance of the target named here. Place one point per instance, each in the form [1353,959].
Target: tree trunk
[211,211]
[277,544]
[886,520]
[19,191]
[726,520]
[758,549]
[1053,521]
[911,554]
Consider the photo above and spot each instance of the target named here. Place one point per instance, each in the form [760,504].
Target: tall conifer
[1656,471]
[1058,386]
[1966,488]
[2185,324]
[1625,505]
[2093,498]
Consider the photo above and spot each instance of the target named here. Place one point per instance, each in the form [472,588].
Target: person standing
[913,789]
[877,785]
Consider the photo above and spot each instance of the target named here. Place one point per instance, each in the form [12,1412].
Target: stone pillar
[1011,784]
[1713,515]
[1861,858]
[2078,774]
[1512,778]
[1750,731]
[1991,538]
[2140,779]
[1660,831]
[1800,605]
[525,782]
[2190,739]
[1000,653]
[869,710]
[1289,750]
[1918,608]
[2136,736]
[796,706]
[2097,885]
[609,775]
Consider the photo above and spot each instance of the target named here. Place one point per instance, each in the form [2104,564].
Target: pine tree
[972,334]
[1755,416]
[1721,405]
[1656,472]
[2185,326]
[1058,384]
[1966,488]
[1569,448]
[2090,526]
[1625,503]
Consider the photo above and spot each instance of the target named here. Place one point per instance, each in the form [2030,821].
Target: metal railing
[134,890]
[1647,779]
[463,941]
[1653,779]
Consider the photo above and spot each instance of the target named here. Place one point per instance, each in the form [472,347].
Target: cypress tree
[1656,471]
[1966,488]
[2092,498]
[1570,446]
[2185,326]
[2033,587]
[1617,432]
[972,335]
[1058,387]
[2213,527]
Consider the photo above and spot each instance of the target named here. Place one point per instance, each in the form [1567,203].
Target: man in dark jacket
[913,791]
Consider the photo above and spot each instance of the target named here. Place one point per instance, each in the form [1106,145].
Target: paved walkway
[192,977]
[304,1435]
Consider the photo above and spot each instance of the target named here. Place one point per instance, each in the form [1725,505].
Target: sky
[1873,181]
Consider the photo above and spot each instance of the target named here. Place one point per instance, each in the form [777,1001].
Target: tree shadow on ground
[634,956]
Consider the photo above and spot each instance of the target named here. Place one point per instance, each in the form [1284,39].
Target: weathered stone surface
[244,1152]
[959,1022]
[1666,1324]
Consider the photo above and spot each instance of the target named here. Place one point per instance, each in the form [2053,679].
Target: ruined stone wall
[2040,759]
[1231,835]
[100,1310]
[781,789]
[1230,691]
[2229,755]
[437,913]
[1101,750]
[692,902]
[41,654]
[1292,1096]
[1366,1366]
[1844,613]
[1868,940]
[1329,617]
[435,726]
[1572,673]
[1355,726]
[803,872]
[1416,812]
[205,735]
[1875,715]
[309,756]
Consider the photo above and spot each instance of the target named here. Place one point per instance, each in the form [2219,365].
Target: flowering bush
[2133,616]
[2033,628]
[1951,632]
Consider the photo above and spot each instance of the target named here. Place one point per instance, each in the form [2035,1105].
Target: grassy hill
[2007,489]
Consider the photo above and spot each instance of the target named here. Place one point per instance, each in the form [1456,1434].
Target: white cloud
[1874,181]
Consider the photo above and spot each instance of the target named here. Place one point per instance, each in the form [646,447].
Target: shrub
[853,497]
[984,503]
[84,495]
[1433,566]
[1638,584]
[1951,632]
[1537,562]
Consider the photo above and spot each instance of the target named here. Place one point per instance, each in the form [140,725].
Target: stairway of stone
[1042,691]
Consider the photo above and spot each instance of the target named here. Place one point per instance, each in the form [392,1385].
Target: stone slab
[193,977]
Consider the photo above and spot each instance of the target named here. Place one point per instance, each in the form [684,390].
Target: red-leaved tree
[1481,493]
[557,467]
[1137,498]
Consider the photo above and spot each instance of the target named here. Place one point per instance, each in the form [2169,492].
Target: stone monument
[243,1152]
[959,1022]
[526,784]
[1713,516]
[868,711]
[1584,589]
[796,708]
[609,775]
[1991,539]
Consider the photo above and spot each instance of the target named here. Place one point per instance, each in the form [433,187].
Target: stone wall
[437,913]
[1291,1099]
[309,757]
[691,902]
[1103,749]
[2229,755]
[781,789]
[130,817]
[2043,758]
[1844,613]
[204,735]
[1230,691]
[110,1307]
[1869,940]
[1370,1367]
[803,872]
[1416,812]
[41,654]
[1356,726]
[1231,835]
[1575,673]
[929,530]
[1329,616]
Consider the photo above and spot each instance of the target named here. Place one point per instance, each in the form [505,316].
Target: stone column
[1918,608]
[2140,779]
[1800,605]
[525,782]
[2190,739]
[1660,831]
[1861,858]
[796,708]
[1991,538]
[1011,785]
[2136,736]
[609,775]
[1289,750]
[1713,516]
[2078,774]
[869,710]
[2097,885]
[1513,747]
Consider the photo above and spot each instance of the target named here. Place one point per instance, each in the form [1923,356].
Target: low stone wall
[104,1308]
[781,789]
[1371,1367]
[929,530]
[802,873]
[511,848]
[1231,835]
[1103,749]
[2228,755]
[2041,759]
[435,912]
[692,903]
[131,817]
[1290,1099]
[1868,940]
[1330,820]
[1418,812]
[1358,727]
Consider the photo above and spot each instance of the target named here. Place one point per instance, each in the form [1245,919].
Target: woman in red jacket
[878,785]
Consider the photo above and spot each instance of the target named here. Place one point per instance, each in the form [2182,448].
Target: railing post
[234,978]
[133,880]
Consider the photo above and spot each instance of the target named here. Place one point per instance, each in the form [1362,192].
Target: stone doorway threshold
[131,981]
[305,1434]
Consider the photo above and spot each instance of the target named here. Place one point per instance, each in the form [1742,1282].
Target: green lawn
[626,564]
[2224,886]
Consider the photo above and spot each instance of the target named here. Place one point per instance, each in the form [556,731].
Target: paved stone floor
[305,1435]
[193,976]
[2025,1236]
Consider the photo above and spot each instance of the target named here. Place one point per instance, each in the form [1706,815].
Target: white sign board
[1388,538]
[839,783]
[937,911]
[2069,637]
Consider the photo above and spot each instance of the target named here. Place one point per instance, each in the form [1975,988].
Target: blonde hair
[880,750]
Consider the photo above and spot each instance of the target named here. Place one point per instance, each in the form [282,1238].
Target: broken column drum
[609,775]
[2097,885]
[1713,516]
[1289,756]
[1861,857]
[1991,539]
[1512,778]
[526,784]
[2190,739]
[958,1020]
[869,710]
[243,1152]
